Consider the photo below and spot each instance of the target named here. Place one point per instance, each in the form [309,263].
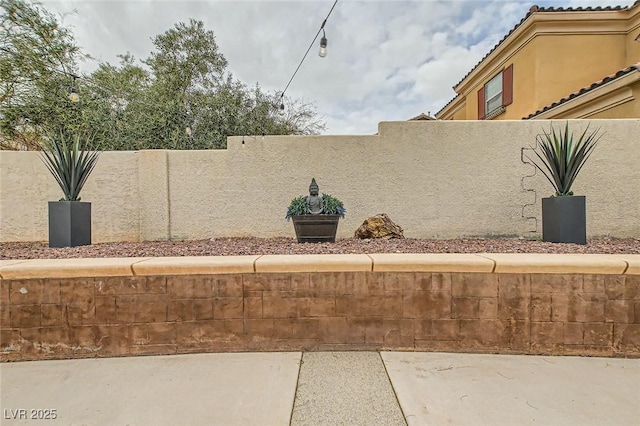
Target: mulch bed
[257,246]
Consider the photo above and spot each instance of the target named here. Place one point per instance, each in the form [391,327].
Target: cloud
[387,60]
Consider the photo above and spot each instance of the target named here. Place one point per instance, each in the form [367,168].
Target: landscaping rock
[379,226]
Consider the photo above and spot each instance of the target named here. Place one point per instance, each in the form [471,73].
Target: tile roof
[532,10]
[422,116]
[607,79]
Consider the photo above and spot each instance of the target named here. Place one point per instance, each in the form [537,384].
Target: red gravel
[253,246]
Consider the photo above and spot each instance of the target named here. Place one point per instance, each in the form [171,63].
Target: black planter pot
[564,219]
[69,223]
[316,228]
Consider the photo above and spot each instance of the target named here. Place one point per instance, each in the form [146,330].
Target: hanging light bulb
[73,92]
[188,131]
[323,45]
[73,95]
[281,109]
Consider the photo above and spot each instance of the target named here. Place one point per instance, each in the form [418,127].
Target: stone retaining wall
[523,304]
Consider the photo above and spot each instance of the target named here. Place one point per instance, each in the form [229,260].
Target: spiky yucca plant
[562,157]
[70,162]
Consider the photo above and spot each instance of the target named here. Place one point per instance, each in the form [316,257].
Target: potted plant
[560,161]
[315,218]
[70,162]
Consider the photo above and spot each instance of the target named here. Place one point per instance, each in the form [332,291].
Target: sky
[386,60]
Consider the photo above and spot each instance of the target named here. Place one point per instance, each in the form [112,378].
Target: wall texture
[436,179]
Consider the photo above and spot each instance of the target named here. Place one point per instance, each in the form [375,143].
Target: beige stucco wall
[26,186]
[600,55]
[632,46]
[627,109]
[437,179]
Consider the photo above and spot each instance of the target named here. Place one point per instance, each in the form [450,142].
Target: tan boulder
[379,226]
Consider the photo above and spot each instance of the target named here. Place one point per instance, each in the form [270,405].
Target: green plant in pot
[70,161]
[315,218]
[560,159]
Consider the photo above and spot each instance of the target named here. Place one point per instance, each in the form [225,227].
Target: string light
[323,45]
[73,92]
[323,53]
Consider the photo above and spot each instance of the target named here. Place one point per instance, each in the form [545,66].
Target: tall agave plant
[563,157]
[70,162]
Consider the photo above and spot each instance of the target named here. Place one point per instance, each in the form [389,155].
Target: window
[494,96]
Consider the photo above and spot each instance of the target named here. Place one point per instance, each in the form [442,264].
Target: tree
[189,101]
[187,59]
[119,95]
[37,59]
[181,97]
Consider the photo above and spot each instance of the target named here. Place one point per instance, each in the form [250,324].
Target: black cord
[307,52]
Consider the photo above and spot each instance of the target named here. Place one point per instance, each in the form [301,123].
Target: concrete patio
[323,388]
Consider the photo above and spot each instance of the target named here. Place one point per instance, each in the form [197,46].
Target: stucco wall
[26,186]
[437,179]
[633,47]
[606,55]
[627,109]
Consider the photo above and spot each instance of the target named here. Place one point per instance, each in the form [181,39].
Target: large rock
[379,226]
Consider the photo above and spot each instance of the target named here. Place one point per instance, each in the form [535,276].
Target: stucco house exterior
[557,63]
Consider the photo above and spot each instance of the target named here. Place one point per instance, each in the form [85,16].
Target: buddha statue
[314,202]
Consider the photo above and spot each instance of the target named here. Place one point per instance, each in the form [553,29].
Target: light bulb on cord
[73,95]
[323,45]
[73,92]
[281,109]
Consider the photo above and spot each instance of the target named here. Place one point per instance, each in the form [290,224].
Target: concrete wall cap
[633,260]
[196,265]
[430,262]
[314,263]
[379,262]
[547,263]
[69,268]
[7,262]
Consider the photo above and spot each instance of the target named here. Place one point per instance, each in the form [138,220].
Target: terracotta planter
[316,228]
[564,219]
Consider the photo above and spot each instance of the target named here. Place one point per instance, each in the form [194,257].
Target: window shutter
[507,86]
[481,104]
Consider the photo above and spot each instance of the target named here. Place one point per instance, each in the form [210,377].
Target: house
[557,63]
[422,117]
